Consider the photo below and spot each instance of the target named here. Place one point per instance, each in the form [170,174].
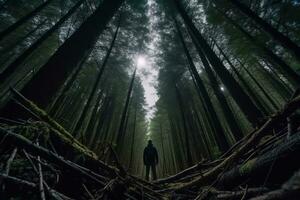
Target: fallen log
[18,181]
[63,134]
[26,144]
[181,174]
[289,190]
[30,185]
[208,177]
[274,166]
[133,188]
[57,128]
[238,195]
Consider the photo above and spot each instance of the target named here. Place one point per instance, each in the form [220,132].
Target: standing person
[150,159]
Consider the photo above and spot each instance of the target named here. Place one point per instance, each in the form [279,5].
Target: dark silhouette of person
[150,160]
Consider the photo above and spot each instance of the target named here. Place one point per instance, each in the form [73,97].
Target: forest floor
[41,160]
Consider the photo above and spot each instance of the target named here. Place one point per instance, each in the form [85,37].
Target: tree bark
[276,35]
[11,47]
[80,121]
[229,117]
[132,139]
[253,114]
[273,167]
[58,101]
[268,54]
[45,83]
[289,190]
[259,102]
[24,19]
[252,140]
[120,133]
[10,69]
[219,133]
[189,159]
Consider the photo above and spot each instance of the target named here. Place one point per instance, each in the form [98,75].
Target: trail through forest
[84,84]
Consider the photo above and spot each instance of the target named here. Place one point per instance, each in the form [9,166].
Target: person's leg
[153,169]
[147,172]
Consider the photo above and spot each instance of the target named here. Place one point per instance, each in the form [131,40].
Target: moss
[216,152]
[247,167]
[55,127]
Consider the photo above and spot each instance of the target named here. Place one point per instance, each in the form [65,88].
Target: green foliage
[247,167]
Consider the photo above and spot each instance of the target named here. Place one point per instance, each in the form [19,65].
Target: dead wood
[62,134]
[18,181]
[22,142]
[241,194]
[255,160]
[273,166]
[251,141]
[289,190]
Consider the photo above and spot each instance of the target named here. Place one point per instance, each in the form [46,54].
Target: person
[150,160]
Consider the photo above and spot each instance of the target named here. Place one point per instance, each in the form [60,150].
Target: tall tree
[122,125]
[80,121]
[23,20]
[10,69]
[253,114]
[230,118]
[189,160]
[276,35]
[272,57]
[18,42]
[133,138]
[45,83]
[210,111]
[162,148]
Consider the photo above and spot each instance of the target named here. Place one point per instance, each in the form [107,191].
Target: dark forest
[150,99]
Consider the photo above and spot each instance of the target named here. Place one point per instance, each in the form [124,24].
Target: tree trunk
[163,150]
[80,121]
[23,20]
[229,117]
[65,88]
[179,160]
[253,114]
[251,92]
[10,48]
[203,134]
[132,140]
[121,130]
[270,56]
[102,116]
[189,160]
[45,83]
[274,166]
[275,79]
[219,133]
[92,122]
[276,35]
[10,69]
[261,88]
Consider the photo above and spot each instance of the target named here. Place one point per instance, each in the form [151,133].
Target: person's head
[150,142]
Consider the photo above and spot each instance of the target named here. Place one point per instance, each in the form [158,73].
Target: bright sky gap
[147,71]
